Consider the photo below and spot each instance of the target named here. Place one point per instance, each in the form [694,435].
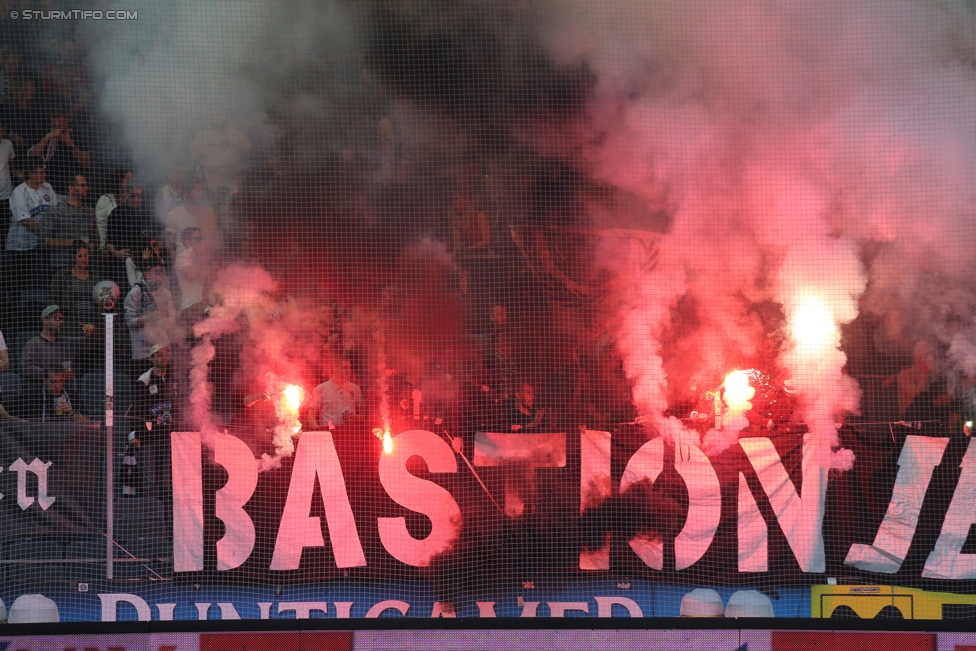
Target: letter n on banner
[801,519]
[316,458]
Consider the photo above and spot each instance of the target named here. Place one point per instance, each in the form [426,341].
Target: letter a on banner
[947,560]
[316,458]
[918,459]
[418,495]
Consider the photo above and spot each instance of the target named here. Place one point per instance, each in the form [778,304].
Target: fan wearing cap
[155,416]
[49,348]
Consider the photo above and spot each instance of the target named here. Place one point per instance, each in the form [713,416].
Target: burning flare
[738,393]
[813,325]
[287,400]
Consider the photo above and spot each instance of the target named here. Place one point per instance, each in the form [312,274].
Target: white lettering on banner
[186,451]
[418,495]
[559,608]
[242,469]
[110,604]
[228,611]
[392,604]
[316,458]
[947,560]
[343,609]
[595,488]
[753,533]
[916,463]
[265,608]
[521,455]
[605,606]
[39,468]
[203,609]
[165,612]
[303,609]
[704,506]
[801,519]
[486,608]
[530,609]
[646,464]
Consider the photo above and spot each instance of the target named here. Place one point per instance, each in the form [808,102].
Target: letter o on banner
[646,464]
[704,503]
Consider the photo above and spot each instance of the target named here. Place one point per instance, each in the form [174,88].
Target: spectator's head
[118,183]
[3,130]
[78,189]
[196,194]
[923,356]
[135,198]
[525,395]
[159,356]
[153,273]
[344,372]
[52,321]
[81,254]
[36,176]
[54,380]
[191,236]
[176,176]
[499,316]
[59,120]
[326,311]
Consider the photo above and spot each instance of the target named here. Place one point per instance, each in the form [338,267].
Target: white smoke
[175,71]
[782,140]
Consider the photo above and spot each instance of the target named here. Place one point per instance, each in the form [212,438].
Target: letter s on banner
[418,495]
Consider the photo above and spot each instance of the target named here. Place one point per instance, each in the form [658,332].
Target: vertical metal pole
[109,443]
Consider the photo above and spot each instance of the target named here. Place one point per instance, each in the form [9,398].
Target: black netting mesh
[512,309]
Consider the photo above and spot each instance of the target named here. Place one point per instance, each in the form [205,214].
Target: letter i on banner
[595,489]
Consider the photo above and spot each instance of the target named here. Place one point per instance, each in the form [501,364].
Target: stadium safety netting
[487,309]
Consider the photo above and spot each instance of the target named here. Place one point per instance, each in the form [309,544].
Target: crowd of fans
[87,237]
